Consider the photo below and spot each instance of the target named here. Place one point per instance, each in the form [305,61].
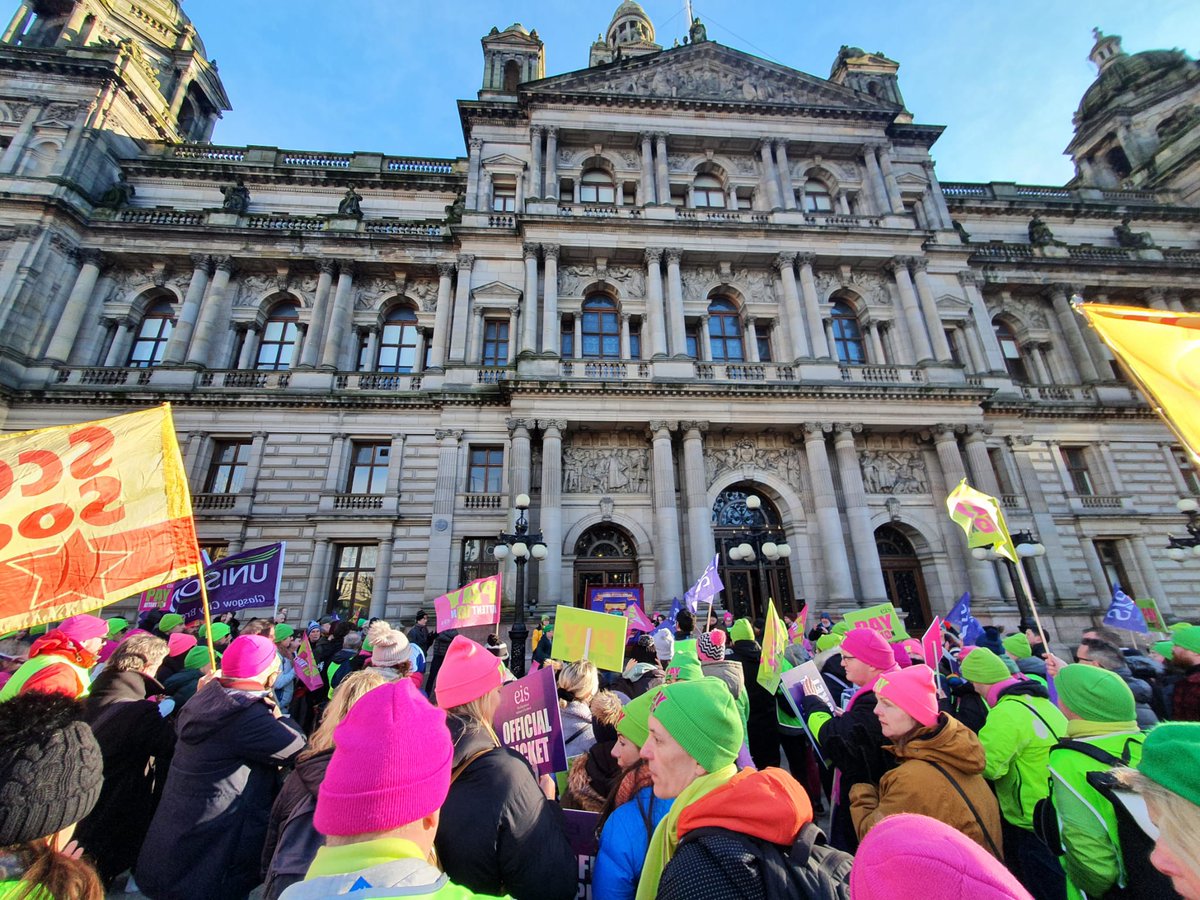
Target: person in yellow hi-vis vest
[60,661]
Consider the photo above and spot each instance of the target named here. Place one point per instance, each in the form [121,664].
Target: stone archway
[748,585]
[605,554]
[903,578]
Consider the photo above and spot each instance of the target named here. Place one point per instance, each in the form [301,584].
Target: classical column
[192,462]
[66,330]
[984,585]
[514,322]
[626,353]
[248,356]
[1156,298]
[395,466]
[445,489]
[475,338]
[675,304]
[1149,572]
[1068,323]
[939,199]
[654,303]
[520,456]
[118,350]
[908,305]
[473,173]
[310,354]
[551,509]
[751,339]
[838,585]
[812,307]
[318,590]
[383,577]
[1019,451]
[577,336]
[529,299]
[889,178]
[181,334]
[213,315]
[785,264]
[19,22]
[983,322]
[369,364]
[875,181]
[535,165]
[933,319]
[647,173]
[705,341]
[462,304]
[699,516]
[550,191]
[340,318]
[666,515]
[880,357]
[983,473]
[784,168]
[770,178]
[862,536]
[441,320]
[334,481]
[662,187]
[550,326]
[12,153]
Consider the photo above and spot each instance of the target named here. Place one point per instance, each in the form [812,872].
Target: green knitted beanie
[1171,757]
[982,666]
[840,628]
[1178,627]
[828,642]
[634,717]
[116,626]
[197,657]
[1188,639]
[685,664]
[1095,694]
[220,631]
[283,631]
[742,630]
[169,621]
[703,718]
[1163,648]
[1018,646]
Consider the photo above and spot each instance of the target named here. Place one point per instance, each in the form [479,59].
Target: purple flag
[527,721]
[1124,613]
[707,586]
[246,580]
[969,629]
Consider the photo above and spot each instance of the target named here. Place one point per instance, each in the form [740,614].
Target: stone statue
[454,212]
[1040,234]
[697,32]
[118,195]
[963,234]
[1133,240]
[351,205]
[237,198]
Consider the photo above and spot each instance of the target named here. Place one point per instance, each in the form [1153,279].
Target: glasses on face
[846,658]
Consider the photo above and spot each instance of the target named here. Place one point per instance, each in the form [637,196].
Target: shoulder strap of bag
[971,806]
[1041,718]
[462,767]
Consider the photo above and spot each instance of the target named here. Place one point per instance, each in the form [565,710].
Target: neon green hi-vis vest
[33,666]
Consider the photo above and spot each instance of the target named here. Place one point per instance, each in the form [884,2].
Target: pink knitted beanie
[914,690]
[248,656]
[83,628]
[870,647]
[468,672]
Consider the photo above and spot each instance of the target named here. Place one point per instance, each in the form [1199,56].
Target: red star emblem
[68,572]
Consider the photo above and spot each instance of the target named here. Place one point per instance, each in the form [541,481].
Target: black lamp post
[757,544]
[520,544]
[1027,545]
[1182,548]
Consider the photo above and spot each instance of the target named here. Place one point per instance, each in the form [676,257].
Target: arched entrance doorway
[604,554]
[749,584]
[902,577]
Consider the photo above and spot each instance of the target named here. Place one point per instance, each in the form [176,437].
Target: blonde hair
[476,712]
[139,653]
[349,692]
[1177,818]
[580,679]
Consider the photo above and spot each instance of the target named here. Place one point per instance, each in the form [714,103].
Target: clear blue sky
[1005,77]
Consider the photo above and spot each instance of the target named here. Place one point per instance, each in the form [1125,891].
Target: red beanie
[869,646]
[390,764]
[249,656]
[909,857]
[468,672]
[914,690]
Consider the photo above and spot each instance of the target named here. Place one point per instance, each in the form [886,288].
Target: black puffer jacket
[762,730]
[1143,696]
[499,834]
[292,840]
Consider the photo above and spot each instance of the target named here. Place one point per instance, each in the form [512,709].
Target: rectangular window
[1190,479]
[1001,469]
[214,550]
[566,338]
[504,196]
[764,345]
[368,467]
[1077,468]
[227,472]
[477,559]
[635,340]
[1110,561]
[495,342]
[353,581]
[486,472]
[692,336]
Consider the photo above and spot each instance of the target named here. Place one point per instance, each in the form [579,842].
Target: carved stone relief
[1030,311]
[756,285]
[893,464]
[869,286]
[747,456]
[745,165]
[630,281]
[606,470]
[253,286]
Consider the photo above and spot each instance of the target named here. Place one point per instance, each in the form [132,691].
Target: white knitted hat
[388,647]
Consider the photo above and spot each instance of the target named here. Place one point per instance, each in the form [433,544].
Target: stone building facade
[649,289]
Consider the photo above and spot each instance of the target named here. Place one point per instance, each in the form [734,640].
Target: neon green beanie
[982,666]
[197,658]
[828,642]
[742,630]
[635,716]
[283,631]
[220,631]
[116,626]
[1018,646]
[169,621]
[840,628]
[703,718]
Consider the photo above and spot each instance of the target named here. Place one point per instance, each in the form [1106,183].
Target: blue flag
[1124,613]
[676,606]
[707,586]
[960,617]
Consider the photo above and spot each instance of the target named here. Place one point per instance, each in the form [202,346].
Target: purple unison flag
[246,580]
[1124,613]
[676,606]
[527,721]
[960,617]
[707,586]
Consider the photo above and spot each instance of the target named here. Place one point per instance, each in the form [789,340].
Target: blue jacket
[623,843]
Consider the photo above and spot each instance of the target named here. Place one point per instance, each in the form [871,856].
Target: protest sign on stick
[931,644]
[527,720]
[881,618]
[246,580]
[1151,614]
[583,634]
[476,603]
[801,681]
[305,665]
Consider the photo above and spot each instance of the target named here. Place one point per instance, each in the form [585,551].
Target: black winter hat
[51,770]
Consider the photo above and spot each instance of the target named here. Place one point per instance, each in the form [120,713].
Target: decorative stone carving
[756,285]
[745,165]
[745,456]
[1028,310]
[425,293]
[894,472]
[871,287]
[253,286]
[1133,240]
[598,470]
[237,198]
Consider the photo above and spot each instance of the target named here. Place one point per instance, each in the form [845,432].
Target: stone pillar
[647,173]
[66,330]
[889,178]
[514,322]
[704,350]
[675,320]
[519,462]
[1068,324]
[933,319]
[334,482]
[939,199]
[370,363]
[462,304]
[550,300]
[983,473]
[475,145]
[535,164]
[871,588]
[654,303]
[445,489]
[786,190]
[475,338]
[983,322]
[875,182]
[626,352]
[1111,471]
[1029,483]
[699,516]
[181,334]
[192,461]
[1149,572]
[751,328]
[908,304]
[550,191]
[1156,298]
[551,585]
[577,336]
[666,515]
[20,21]
[812,307]
[441,320]
[784,263]
[310,354]
[118,350]
[880,357]
[248,355]
[213,315]
[770,178]
[316,593]
[662,187]
[529,300]
[838,585]
[340,318]
[984,585]
[383,577]
[12,153]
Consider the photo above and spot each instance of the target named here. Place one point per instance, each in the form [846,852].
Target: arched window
[725,332]
[816,196]
[280,333]
[398,341]
[512,75]
[596,186]
[847,337]
[708,192]
[1011,351]
[151,341]
[601,329]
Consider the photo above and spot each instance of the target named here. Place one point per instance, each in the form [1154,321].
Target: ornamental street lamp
[1183,548]
[1027,545]
[520,544]
[757,544]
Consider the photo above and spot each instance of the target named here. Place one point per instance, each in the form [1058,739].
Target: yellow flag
[1162,351]
[91,514]
[770,669]
[980,517]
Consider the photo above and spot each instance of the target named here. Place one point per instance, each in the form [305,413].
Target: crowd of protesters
[128,761]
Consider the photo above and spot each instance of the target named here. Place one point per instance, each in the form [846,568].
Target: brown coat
[916,786]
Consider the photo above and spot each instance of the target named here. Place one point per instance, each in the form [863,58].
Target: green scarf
[666,836]
[1077,728]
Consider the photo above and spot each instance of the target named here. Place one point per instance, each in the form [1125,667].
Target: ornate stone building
[651,287]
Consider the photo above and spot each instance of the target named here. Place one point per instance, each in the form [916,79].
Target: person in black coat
[136,743]
[207,835]
[762,729]
[501,831]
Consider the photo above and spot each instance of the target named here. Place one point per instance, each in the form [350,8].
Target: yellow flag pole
[212,652]
[1032,602]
